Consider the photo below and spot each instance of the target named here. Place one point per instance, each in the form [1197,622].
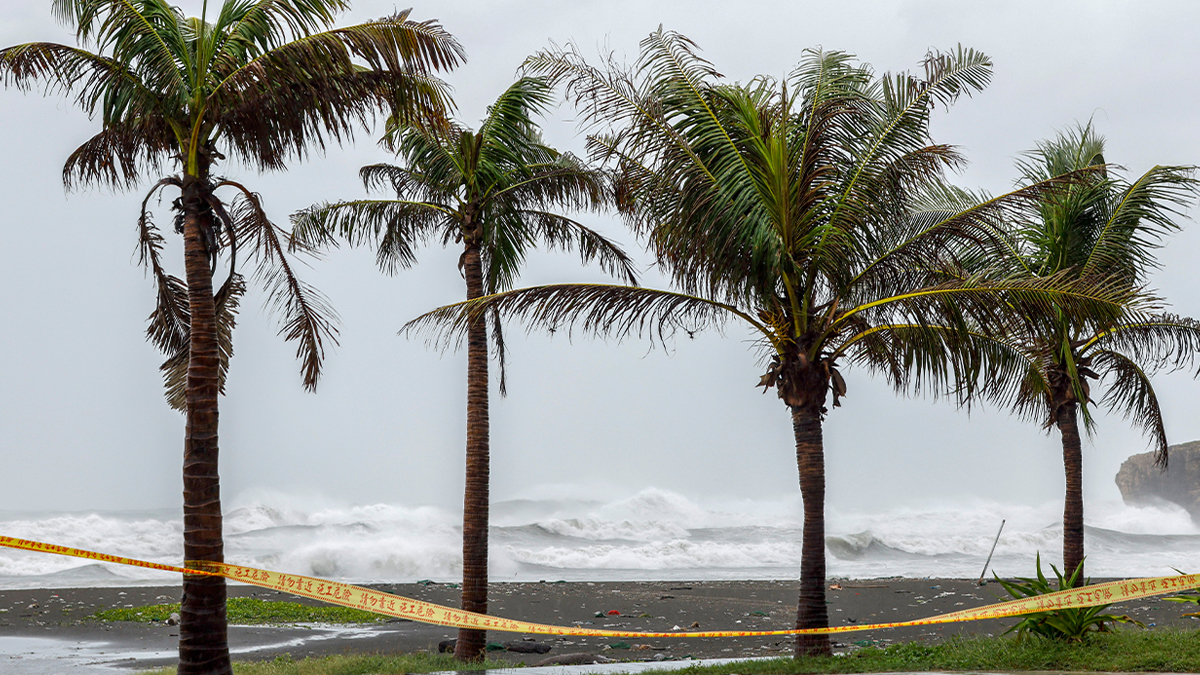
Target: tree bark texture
[203,634]
[811,611]
[471,643]
[1068,426]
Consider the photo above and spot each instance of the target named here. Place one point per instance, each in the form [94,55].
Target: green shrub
[1068,623]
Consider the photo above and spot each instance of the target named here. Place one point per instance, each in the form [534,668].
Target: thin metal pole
[989,560]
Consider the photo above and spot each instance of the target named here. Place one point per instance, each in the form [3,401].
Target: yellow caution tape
[397,606]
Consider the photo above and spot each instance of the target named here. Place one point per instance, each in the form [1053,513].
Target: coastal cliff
[1142,484]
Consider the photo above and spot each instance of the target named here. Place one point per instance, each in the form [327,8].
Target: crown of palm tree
[500,187]
[265,82]
[1107,226]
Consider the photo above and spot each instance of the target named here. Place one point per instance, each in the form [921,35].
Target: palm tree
[791,206]
[264,81]
[1103,225]
[498,191]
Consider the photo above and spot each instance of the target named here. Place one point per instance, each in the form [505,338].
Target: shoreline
[58,614]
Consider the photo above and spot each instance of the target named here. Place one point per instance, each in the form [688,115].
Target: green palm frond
[1137,218]
[1130,393]
[968,365]
[950,224]
[310,92]
[148,35]
[98,83]
[557,231]
[394,227]
[120,155]
[898,121]
[509,121]
[1007,306]
[249,28]
[1156,341]
[602,310]
[393,45]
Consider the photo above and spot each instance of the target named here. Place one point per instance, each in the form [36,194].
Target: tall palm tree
[792,206]
[264,81]
[498,191]
[1107,225]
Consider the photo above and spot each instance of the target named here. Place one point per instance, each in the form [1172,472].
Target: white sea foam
[603,530]
[652,534]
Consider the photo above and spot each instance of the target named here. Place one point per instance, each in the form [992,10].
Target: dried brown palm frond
[175,368]
[305,314]
[168,323]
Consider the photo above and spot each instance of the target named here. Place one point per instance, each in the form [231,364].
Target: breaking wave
[654,534]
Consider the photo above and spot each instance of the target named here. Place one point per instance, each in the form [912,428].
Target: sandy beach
[35,616]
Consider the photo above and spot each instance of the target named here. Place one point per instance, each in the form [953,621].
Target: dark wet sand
[644,606]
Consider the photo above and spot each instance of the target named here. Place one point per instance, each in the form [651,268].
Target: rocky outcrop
[1143,484]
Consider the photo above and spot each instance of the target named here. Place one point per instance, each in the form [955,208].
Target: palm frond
[509,121]
[1131,394]
[391,44]
[97,82]
[306,316]
[949,226]
[267,127]
[558,231]
[175,368]
[1013,306]
[1137,218]
[563,181]
[148,35]
[500,350]
[1154,341]
[169,326]
[898,122]
[169,323]
[248,28]
[393,227]
[606,311]
[606,95]
[311,91]
[957,361]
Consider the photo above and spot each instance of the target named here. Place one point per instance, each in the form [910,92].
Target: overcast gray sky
[83,424]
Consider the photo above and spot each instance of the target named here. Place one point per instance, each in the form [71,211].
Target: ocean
[653,535]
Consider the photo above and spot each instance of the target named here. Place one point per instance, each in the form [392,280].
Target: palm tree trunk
[203,634]
[471,643]
[1068,426]
[811,611]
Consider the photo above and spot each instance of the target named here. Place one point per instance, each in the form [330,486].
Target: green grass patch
[1162,650]
[250,611]
[352,665]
